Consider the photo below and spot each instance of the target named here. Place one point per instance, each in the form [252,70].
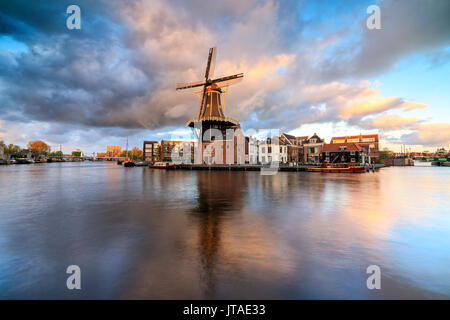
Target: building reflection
[220,194]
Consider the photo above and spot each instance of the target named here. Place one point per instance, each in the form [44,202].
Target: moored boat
[161,165]
[129,163]
[339,168]
[24,161]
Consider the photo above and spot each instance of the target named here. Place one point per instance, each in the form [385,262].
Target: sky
[309,67]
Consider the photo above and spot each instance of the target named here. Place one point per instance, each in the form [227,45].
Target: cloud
[118,73]
[407,27]
[429,134]
[390,122]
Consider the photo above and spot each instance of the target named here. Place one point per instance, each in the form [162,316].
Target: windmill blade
[233,77]
[212,66]
[212,52]
[228,82]
[202,103]
[188,85]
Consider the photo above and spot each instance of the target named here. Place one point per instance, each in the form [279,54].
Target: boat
[339,168]
[441,163]
[161,165]
[120,162]
[24,161]
[141,164]
[129,164]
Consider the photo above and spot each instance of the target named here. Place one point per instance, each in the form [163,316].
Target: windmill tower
[211,110]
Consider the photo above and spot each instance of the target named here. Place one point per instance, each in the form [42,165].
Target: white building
[272,150]
[253,151]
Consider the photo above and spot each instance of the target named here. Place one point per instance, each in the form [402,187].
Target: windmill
[211,111]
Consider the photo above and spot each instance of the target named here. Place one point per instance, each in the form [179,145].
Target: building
[219,138]
[441,153]
[2,152]
[272,150]
[342,153]
[151,151]
[253,153]
[113,151]
[294,148]
[312,149]
[182,151]
[368,142]
[226,150]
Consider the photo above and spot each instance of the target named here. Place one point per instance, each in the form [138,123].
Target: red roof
[356,137]
[336,147]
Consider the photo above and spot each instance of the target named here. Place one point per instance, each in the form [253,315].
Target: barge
[339,168]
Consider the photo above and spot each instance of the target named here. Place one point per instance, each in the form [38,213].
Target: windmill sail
[210,108]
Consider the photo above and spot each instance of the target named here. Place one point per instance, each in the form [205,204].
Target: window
[352,153]
[353,160]
[281,149]
[269,149]
[263,150]
[263,159]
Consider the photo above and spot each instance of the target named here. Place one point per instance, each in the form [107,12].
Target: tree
[38,147]
[13,150]
[123,154]
[55,154]
[76,153]
[384,154]
[135,153]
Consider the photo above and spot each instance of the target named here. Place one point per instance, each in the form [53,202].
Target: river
[140,233]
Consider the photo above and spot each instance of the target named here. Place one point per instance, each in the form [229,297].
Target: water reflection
[141,233]
[218,194]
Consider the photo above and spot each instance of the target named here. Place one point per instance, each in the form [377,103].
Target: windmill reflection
[219,194]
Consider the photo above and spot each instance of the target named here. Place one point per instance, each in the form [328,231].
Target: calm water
[142,233]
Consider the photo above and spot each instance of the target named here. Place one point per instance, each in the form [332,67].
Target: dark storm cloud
[407,27]
[121,68]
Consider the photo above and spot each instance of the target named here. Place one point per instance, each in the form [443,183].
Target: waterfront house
[253,150]
[27,154]
[151,151]
[342,153]
[312,149]
[272,150]
[369,143]
[294,148]
[182,150]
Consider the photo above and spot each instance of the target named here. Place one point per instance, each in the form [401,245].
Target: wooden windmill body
[211,110]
